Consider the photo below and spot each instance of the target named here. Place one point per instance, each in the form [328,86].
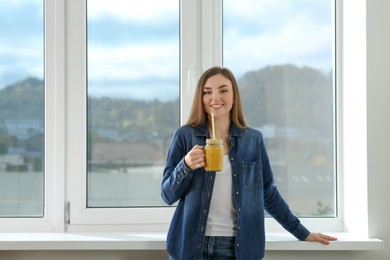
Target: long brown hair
[198,114]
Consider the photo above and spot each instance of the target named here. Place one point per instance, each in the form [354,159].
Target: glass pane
[21,108]
[282,53]
[133,99]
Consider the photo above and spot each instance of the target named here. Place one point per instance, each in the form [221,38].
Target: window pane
[133,99]
[21,108]
[282,53]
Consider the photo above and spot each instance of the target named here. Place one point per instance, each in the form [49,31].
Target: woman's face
[218,96]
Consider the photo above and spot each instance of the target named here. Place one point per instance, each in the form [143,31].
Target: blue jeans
[217,248]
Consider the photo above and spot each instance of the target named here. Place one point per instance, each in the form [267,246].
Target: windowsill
[345,242]
[156,241]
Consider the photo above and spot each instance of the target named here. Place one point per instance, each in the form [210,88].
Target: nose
[215,95]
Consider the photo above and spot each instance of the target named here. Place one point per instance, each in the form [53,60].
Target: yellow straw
[212,125]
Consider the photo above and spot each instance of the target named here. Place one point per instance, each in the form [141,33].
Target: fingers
[325,239]
[195,158]
[318,237]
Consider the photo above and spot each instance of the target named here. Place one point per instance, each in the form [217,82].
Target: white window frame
[81,217]
[65,117]
[201,31]
[54,166]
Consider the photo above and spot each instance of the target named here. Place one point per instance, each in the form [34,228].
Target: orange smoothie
[213,154]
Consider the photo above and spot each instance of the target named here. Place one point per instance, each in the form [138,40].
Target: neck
[222,128]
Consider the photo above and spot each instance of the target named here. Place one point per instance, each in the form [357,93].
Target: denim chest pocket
[252,174]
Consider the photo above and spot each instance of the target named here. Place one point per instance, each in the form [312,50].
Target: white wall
[378,101]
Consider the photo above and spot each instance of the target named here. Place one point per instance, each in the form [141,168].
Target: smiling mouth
[216,106]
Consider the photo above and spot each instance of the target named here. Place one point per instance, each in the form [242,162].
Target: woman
[220,215]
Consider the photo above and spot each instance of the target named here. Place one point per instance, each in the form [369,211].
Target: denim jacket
[253,189]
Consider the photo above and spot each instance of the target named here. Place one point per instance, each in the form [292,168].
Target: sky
[133,46]
[21,40]
[274,32]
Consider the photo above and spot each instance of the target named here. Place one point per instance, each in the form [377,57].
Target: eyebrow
[222,86]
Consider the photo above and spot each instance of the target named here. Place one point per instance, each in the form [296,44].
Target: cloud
[277,32]
[275,13]
[294,44]
[136,71]
[133,49]
[143,88]
[137,11]
[131,41]
[21,40]
[133,61]
[117,32]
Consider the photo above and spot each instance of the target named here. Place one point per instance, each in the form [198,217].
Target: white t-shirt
[222,219]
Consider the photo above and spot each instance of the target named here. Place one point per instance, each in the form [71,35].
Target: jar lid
[214,141]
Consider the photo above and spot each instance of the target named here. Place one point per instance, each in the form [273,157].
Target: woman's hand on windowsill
[318,237]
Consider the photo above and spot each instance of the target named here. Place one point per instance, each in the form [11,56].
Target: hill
[282,96]
[288,96]
[22,100]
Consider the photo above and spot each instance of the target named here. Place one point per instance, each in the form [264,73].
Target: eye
[207,92]
[224,90]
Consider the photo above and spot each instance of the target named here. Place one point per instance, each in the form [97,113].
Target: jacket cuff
[301,232]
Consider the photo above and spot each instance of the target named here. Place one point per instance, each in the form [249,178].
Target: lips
[216,106]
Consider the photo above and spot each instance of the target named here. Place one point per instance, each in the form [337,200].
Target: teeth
[216,106]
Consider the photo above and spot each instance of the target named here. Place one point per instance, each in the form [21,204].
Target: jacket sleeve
[275,205]
[177,175]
